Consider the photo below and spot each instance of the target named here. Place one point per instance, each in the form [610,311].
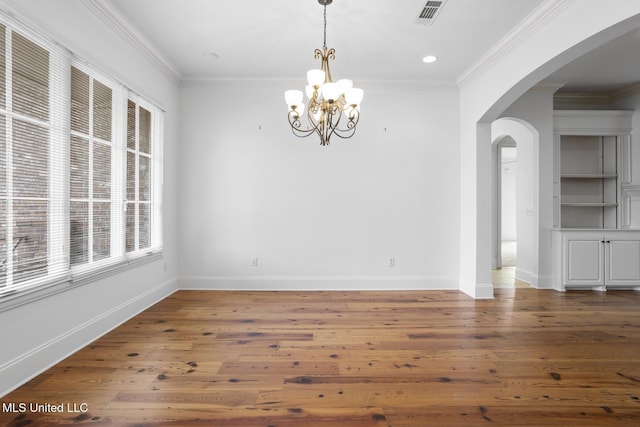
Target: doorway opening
[517,172]
[506,261]
[508,226]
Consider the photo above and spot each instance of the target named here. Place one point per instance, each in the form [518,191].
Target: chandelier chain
[325,27]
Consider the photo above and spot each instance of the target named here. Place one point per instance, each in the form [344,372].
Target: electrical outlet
[254,262]
[392,262]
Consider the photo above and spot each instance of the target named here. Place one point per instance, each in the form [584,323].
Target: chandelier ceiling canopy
[333,107]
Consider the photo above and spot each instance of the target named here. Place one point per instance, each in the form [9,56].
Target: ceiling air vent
[430,12]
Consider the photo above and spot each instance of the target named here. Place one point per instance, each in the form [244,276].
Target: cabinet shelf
[589,176]
[590,204]
[588,187]
[591,151]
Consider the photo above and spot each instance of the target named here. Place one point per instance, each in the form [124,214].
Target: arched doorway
[515,212]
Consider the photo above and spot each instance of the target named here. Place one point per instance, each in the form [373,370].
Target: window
[138,177]
[79,167]
[92,157]
[25,159]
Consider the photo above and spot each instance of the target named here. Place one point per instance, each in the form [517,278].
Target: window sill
[20,297]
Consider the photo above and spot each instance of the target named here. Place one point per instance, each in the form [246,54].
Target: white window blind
[139,203]
[32,227]
[80,169]
[95,209]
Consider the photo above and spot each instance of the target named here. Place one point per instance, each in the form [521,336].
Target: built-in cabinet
[592,245]
[596,259]
[589,181]
[592,155]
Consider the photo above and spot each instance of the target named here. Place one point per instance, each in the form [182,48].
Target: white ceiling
[275,39]
[376,40]
[608,69]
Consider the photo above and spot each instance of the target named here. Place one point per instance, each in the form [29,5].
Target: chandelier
[333,108]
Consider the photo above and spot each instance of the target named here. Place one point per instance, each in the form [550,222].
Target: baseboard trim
[543,282]
[524,275]
[46,355]
[477,290]
[317,283]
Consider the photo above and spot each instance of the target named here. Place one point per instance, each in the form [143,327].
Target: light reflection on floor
[505,277]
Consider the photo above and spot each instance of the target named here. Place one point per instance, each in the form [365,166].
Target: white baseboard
[543,282]
[477,290]
[317,283]
[524,275]
[46,355]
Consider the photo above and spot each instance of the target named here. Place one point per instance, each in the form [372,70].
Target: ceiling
[607,70]
[375,40]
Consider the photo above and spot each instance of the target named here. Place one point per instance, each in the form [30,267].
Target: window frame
[118,94]
[55,234]
[64,275]
[155,177]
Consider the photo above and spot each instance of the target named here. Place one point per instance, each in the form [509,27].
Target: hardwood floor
[282,359]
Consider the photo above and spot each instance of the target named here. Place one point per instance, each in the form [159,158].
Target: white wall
[40,333]
[536,109]
[631,101]
[318,217]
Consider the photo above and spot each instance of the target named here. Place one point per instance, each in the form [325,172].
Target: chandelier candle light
[330,104]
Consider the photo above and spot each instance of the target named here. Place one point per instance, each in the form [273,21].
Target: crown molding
[204,82]
[584,97]
[595,114]
[596,99]
[514,38]
[563,101]
[627,92]
[547,87]
[116,21]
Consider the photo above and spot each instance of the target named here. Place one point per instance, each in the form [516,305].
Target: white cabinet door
[584,264]
[597,259]
[623,261]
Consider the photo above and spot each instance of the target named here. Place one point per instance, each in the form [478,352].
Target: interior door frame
[504,143]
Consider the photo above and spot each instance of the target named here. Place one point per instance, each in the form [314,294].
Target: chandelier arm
[311,111]
[333,124]
[345,133]
[324,56]
[294,122]
[321,126]
[350,128]
[316,127]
